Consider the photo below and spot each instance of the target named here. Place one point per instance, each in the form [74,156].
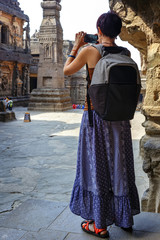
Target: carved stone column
[150,143]
[141,28]
[0,33]
[50,93]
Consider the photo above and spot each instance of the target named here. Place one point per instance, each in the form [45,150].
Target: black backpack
[115,85]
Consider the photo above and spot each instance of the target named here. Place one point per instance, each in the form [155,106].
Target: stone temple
[76,83]
[50,93]
[15,57]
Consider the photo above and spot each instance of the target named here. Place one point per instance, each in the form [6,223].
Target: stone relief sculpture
[27,37]
[0,80]
[16,82]
[47,50]
[4,77]
[48,22]
[25,80]
[13,55]
[50,82]
[4,82]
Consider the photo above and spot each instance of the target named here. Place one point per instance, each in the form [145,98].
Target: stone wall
[141,28]
[14,50]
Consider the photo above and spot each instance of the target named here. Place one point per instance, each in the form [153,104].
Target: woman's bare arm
[74,64]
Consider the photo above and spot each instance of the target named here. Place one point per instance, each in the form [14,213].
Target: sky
[75,16]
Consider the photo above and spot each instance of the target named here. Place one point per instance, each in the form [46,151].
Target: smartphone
[90,38]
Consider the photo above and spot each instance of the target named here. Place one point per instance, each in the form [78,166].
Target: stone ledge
[50,100]
[53,100]
[7,116]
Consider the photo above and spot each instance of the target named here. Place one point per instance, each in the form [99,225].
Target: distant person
[104,190]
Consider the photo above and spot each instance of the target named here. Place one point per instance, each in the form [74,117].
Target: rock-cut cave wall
[141,28]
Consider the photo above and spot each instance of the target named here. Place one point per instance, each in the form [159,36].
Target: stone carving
[27,37]
[14,80]
[12,7]
[76,84]
[47,39]
[4,83]
[50,93]
[141,28]
[0,79]
[18,86]
[25,80]
[13,56]
[47,50]
[5,74]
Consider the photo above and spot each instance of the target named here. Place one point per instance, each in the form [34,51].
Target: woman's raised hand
[79,40]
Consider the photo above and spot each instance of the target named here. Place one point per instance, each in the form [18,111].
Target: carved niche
[5,78]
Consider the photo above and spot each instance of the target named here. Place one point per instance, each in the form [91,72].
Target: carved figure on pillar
[4,83]
[25,79]
[19,83]
[27,37]
[14,81]
[47,51]
[0,80]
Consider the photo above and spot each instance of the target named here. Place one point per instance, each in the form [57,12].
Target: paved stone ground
[38,163]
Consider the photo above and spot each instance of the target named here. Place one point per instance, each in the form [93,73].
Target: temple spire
[50,93]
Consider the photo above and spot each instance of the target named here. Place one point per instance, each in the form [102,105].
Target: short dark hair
[110,24]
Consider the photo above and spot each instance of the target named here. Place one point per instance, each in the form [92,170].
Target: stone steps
[50,100]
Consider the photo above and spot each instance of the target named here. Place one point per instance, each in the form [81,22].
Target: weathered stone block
[50,100]
[51,94]
[7,116]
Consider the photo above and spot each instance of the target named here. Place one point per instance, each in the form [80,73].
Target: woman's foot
[90,227]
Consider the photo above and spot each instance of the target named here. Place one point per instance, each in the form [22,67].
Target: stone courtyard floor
[37,170]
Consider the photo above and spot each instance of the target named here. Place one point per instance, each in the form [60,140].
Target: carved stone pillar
[141,28]
[25,79]
[150,143]
[0,33]
[14,80]
[50,93]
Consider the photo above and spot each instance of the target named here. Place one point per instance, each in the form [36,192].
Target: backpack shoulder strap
[90,114]
[106,50]
[126,52]
[99,47]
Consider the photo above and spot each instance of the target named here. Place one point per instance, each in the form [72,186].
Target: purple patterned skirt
[104,189]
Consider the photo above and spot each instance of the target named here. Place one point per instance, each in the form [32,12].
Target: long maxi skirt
[104,189]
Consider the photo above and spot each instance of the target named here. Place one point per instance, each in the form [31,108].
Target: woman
[104,191]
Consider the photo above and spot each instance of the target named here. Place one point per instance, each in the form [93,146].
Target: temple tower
[50,93]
